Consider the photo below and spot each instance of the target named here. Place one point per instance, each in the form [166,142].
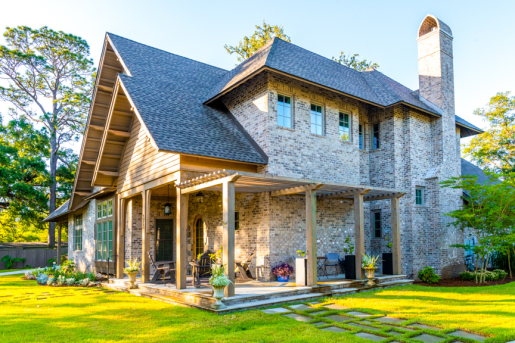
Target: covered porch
[228,183]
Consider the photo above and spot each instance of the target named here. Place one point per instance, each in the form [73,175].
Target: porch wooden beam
[105,79]
[123,113]
[209,184]
[83,194]
[228,201]
[59,226]
[90,162]
[295,190]
[181,232]
[311,236]
[145,230]
[120,133]
[383,196]
[396,235]
[120,213]
[108,66]
[350,193]
[359,234]
[96,127]
[108,173]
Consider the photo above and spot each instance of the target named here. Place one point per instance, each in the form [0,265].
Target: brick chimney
[436,82]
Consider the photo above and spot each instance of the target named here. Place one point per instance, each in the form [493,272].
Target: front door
[165,233]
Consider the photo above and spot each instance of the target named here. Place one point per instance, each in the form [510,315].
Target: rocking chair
[243,267]
[165,270]
[201,267]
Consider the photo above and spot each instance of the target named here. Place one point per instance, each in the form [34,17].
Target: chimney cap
[431,23]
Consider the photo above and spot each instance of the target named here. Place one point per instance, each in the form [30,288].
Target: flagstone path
[373,327]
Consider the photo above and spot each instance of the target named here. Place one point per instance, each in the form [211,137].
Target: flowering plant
[282,269]
[133,266]
[218,277]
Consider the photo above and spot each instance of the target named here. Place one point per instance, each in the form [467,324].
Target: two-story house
[288,151]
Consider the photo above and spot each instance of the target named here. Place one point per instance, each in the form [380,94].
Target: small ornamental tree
[46,76]
[488,213]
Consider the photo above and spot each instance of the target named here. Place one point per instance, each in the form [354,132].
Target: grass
[14,270]
[67,314]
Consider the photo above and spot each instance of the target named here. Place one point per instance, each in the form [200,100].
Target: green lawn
[14,270]
[66,314]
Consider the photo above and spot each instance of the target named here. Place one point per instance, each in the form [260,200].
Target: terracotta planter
[218,295]
[370,276]
[132,278]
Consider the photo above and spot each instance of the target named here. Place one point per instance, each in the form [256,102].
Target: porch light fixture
[168,206]
[200,197]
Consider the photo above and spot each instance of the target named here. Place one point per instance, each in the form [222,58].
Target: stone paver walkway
[372,327]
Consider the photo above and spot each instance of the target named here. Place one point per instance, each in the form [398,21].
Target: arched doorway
[198,238]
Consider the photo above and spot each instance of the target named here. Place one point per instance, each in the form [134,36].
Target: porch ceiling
[279,185]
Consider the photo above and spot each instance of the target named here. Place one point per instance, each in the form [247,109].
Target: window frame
[421,197]
[349,123]
[77,232]
[377,214]
[373,136]
[195,238]
[291,110]
[237,220]
[104,230]
[322,118]
[157,240]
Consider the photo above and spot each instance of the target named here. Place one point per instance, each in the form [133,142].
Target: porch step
[115,286]
[341,291]
[399,282]
[388,278]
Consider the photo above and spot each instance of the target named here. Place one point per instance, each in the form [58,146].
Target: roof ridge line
[168,52]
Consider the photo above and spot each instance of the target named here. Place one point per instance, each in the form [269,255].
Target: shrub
[501,274]
[70,281]
[83,282]
[9,261]
[42,279]
[282,269]
[91,276]
[428,275]
[50,281]
[468,276]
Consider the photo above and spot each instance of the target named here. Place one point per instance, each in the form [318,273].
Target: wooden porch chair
[165,270]
[332,261]
[243,267]
[201,267]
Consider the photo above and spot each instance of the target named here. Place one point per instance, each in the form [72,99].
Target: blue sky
[382,31]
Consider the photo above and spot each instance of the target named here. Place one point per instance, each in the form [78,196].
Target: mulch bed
[458,282]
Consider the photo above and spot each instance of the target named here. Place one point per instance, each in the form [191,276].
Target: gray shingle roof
[63,209]
[168,91]
[468,168]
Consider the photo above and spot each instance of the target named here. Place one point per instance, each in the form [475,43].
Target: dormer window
[344,127]
[317,120]
[284,117]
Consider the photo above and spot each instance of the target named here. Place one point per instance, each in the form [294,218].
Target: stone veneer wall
[85,258]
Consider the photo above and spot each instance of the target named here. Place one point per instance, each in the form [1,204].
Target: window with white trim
[77,233]
[104,231]
[345,126]
[419,196]
[284,117]
[317,120]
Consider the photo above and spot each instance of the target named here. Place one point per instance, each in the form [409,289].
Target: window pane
[313,108]
[99,241]
[99,211]
[104,210]
[110,207]
[281,98]
[110,237]
[361,137]
[104,240]
[287,99]
[280,120]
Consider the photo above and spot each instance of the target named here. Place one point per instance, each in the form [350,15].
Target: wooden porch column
[145,229]
[311,236]
[59,226]
[359,233]
[180,248]
[120,259]
[396,236]
[228,234]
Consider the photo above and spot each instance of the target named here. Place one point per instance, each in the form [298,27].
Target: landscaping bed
[459,282]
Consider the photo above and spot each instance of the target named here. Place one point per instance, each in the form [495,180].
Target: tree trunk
[475,270]
[53,187]
[509,261]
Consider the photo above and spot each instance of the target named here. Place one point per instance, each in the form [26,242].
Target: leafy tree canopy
[249,45]
[495,149]
[47,76]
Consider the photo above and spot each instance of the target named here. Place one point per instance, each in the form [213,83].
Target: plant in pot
[219,281]
[216,258]
[369,263]
[132,270]
[388,258]
[283,271]
[350,259]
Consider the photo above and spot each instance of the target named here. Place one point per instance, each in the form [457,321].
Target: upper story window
[375,137]
[317,120]
[361,136]
[104,228]
[419,196]
[77,237]
[345,126]
[376,222]
[284,117]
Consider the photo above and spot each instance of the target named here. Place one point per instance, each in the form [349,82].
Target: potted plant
[301,267]
[132,270]
[369,263]
[350,259]
[388,258]
[216,258]
[218,281]
[282,271]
